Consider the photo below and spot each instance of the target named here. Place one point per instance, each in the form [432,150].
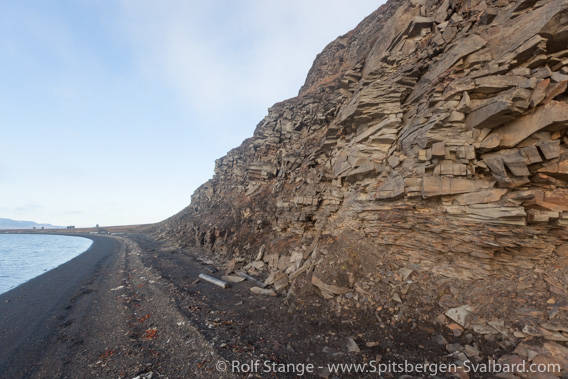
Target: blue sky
[113,112]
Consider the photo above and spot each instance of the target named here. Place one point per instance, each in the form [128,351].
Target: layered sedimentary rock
[434,135]
[450,108]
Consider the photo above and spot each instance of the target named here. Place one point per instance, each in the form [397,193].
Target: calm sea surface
[25,256]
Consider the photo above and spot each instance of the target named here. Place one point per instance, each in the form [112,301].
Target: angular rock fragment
[329,288]
[481,197]
[499,110]
[217,282]
[438,185]
[553,114]
[550,149]
[497,83]
[459,314]
[531,155]
[553,90]
[351,345]
[390,188]
[490,213]
[262,291]
[438,149]
[557,170]
[464,48]
[515,162]
[232,278]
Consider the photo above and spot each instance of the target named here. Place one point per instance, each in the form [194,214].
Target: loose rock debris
[217,282]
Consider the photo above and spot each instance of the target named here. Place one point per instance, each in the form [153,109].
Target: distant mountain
[6,223]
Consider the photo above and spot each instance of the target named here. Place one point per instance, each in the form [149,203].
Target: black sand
[30,313]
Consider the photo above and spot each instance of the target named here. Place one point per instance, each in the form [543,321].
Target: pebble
[471,351]
[351,345]
[439,339]
[456,329]
[453,347]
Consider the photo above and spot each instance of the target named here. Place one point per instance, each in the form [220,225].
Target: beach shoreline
[82,320]
[29,312]
[133,307]
[27,256]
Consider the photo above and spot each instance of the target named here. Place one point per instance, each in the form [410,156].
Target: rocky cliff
[428,144]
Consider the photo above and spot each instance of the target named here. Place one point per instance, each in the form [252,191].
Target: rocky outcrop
[436,132]
[456,107]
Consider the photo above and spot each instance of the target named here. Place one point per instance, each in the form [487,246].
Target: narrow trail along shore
[133,307]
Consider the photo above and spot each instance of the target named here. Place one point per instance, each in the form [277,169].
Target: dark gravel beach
[91,318]
[32,312]
[133,307]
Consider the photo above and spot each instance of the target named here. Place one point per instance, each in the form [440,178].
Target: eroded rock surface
[435,132]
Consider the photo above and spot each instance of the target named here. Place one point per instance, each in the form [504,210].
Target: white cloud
[232,57]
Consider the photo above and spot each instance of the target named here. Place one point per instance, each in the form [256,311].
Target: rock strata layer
[449,110]
[435,132]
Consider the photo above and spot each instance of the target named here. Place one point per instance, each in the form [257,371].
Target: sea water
[25,256]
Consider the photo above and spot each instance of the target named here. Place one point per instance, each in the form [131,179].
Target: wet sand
[31,312]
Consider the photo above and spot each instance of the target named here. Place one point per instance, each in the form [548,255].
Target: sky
[113,112]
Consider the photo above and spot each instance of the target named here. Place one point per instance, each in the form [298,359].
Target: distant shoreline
[78,231]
